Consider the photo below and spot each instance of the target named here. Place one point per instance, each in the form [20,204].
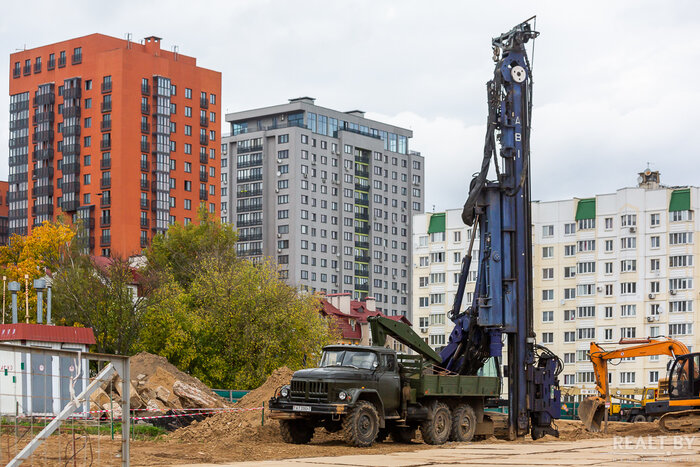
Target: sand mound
[241,424]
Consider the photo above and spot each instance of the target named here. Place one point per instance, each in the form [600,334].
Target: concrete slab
[667,450]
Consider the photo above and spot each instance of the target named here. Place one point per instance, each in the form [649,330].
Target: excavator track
[684,421]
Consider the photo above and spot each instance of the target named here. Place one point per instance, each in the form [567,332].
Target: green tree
[180,252]
[106,294]
[253,323]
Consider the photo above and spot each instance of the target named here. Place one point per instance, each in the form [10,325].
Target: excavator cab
[684,378]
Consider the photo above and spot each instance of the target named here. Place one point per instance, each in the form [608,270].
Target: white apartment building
[618,265]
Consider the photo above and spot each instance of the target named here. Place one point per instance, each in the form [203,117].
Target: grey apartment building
[329,195]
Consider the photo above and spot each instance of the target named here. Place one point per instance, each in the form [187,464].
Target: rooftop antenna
[128,40]
[176,49]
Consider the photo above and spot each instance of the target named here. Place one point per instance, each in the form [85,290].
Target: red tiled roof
[46,333]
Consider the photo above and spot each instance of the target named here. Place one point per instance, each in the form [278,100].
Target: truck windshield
[351,358]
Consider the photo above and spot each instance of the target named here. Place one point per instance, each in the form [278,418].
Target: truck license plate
[301,408]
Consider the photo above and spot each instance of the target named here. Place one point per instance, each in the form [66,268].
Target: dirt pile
[157,386]
[572,430]
[244,423]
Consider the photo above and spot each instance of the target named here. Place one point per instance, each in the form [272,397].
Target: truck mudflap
[281,409]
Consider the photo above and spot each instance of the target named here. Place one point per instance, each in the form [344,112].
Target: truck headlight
[342,395]
[284,392]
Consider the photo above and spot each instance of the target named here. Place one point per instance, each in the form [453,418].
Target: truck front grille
[312,391]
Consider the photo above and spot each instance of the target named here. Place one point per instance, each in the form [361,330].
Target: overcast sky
[614,81]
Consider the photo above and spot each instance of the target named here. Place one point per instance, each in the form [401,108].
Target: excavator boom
[592,409]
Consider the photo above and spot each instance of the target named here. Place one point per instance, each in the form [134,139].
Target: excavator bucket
[591,411]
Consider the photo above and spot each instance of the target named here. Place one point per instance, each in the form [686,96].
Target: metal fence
[57,407]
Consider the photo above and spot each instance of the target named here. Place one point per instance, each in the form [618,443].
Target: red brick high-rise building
[122,137]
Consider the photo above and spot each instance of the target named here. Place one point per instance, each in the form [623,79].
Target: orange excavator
[679,412]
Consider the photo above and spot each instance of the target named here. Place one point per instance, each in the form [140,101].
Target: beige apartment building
[618,265]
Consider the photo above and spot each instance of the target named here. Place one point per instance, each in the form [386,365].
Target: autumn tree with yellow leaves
[34,254]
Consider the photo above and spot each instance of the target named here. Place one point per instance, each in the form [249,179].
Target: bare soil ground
[239,436]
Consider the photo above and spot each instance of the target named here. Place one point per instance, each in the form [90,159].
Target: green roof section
[585,209]
[680,200]
[437,223]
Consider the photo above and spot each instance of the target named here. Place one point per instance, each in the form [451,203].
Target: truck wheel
[296,431]
[361,425]
[639,418]
[463,423]
[403,434]
[437,430]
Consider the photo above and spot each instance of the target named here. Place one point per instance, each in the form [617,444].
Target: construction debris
[156,386]
[244,422]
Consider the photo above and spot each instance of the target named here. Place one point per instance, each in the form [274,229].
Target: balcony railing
[70,187]
[43,154]
[43,172]
[362,258]
[106,125]
[70,168]
[362,215]
[144,242]
[16,73]
[250,163]
[145,89]
[362,287]
[144,166]
[72,93]
[362,173]
[72,130]
[27,70]
[70,205]
[203,103]
[42,209]
[45,135]
[250,178]
[144,222]
[250,238]
[249,223]
[144,184]
[362,272]
[37,68]
[203,158]
[203,121]
[105,221]
[105,144]
[61,62]
[70,149]
[51,64]
[144,204]
[362,230]
[249,193]
[105,182]
[203,139]
[71,111]
[106,86]
[361,187]
[363,159]
[364,245]
[244,149]
[250,207]
[145,109]
[106,106]
[105,163]
[144,146]
[203,177]
[145,127]
[76,59]
[203,195]
[105,240]
[106,201]
[46,190]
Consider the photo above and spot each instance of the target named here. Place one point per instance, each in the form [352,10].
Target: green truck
[371,392]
